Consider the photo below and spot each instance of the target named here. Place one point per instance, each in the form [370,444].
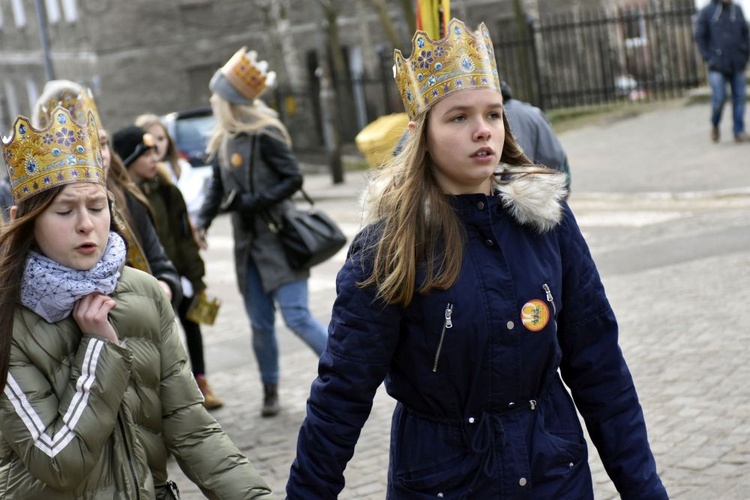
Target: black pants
[193,336]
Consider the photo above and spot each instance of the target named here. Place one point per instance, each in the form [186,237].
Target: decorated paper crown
[247,75]
[79,105]
[462,60]
[63,152]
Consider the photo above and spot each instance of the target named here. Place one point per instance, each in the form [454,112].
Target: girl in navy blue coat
[470,293]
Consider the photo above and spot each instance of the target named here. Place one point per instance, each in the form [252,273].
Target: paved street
[667,216]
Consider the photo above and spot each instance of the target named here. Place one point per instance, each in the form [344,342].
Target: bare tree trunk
[381,7]
[407,6]
[328,103]
[277,23]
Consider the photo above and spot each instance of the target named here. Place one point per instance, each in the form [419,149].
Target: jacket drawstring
[484,441]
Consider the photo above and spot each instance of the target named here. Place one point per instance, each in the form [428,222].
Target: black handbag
[308,236]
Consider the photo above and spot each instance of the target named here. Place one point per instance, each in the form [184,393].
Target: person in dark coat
[533,132]
[170,218]
[721,34]
[255,174]
[473,295]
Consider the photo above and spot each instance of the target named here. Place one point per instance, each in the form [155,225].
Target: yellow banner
[433,17]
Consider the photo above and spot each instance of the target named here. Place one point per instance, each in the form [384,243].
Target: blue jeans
[292,299]
[718,82]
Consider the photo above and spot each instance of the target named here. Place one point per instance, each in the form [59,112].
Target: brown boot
[715,134]
[210,401]
[270,400]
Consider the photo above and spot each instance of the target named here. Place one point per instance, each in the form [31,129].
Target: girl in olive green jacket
[97,387]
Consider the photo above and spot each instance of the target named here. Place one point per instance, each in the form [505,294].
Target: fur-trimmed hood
[532,198]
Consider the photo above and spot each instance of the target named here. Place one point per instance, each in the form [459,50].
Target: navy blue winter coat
[721,34]
[482,412]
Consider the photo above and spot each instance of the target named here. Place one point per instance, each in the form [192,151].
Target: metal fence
[635,53]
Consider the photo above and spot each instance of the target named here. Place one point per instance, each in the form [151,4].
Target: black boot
[270,400]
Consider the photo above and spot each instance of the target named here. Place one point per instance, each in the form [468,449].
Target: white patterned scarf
[51,289]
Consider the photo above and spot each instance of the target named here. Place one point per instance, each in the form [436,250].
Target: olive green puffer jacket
[81,417]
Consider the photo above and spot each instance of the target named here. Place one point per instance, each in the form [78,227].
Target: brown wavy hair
[16,241]
[418,223]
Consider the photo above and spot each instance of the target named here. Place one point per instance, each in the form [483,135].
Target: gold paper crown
[462,60]
[63,152]
[247,75]
[79,105]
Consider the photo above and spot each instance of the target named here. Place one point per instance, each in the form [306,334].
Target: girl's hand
[92,315]
[199,235]
[165,286]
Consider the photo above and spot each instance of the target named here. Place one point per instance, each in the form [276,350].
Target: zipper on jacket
[448,323]
[550,299]
[130,458]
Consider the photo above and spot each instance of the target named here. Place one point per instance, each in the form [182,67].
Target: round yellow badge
[535,315]
[236,160]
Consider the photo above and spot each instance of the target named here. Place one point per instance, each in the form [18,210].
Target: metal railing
[616,54]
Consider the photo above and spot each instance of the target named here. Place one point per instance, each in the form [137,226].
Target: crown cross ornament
[63,152]
[461,60]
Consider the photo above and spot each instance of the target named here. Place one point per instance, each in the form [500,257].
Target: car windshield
[191,137]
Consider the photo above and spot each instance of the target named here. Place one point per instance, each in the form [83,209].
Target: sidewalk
[683,322]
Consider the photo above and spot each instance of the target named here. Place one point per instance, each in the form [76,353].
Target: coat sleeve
[161,267]
[191,262]
[594,368]
[203,451]
[59,440]
[362,338]
[701,34]
[210,208]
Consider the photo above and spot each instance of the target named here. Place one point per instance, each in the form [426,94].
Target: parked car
[190,131]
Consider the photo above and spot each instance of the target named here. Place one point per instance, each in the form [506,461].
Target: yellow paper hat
[461,60]
[78,103]
[63,152]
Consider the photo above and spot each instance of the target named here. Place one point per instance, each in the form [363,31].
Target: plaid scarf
[51,289]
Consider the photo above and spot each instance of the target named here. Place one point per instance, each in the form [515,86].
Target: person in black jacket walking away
[255,174]
[170,217]
[721,34]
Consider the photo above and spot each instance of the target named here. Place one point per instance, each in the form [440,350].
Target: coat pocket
[451,478]
[560,455]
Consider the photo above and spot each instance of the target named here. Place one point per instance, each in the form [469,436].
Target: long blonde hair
[419,226]
[233,119]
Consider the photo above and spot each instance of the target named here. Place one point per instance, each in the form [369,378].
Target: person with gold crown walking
[97,389]
[255,174]
[466,293]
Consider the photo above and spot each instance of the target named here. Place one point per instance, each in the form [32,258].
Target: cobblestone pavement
[666,215]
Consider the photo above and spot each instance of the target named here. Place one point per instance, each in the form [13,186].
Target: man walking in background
[534,134]
[721,34]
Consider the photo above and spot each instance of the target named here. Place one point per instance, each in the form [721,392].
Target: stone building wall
[157,56]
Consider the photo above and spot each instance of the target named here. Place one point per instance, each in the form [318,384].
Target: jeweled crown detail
[461,60]
[63,152]
[78,104]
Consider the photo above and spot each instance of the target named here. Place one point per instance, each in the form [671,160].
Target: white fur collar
[534,199]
